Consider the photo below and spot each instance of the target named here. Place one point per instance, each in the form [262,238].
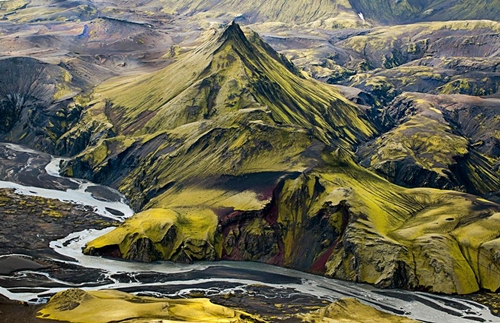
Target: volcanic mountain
[231,153]
[231,91]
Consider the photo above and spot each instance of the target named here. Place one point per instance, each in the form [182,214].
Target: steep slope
[239,96]
[241,158]
[440,141]
[231,73]
[37,102]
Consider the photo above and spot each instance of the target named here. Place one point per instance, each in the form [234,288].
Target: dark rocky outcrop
[438,141]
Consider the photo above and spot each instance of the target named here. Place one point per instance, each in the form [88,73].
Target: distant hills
[377,11]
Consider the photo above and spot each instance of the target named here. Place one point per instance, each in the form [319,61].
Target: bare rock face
[36,103]
[143,250]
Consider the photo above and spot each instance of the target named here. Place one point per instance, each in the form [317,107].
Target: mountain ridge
[256,185]
[377,11]
[233,54]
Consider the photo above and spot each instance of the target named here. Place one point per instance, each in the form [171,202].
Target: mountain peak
[232,31]
[248,44]
[237,71]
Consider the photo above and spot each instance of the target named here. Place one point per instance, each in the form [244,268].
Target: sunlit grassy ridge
[76,305]
[170,233]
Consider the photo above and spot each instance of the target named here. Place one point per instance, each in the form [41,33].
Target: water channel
[37,174]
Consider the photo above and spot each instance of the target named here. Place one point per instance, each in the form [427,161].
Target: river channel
[252,286]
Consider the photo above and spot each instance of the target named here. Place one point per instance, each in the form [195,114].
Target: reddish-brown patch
[140,122]
[271,213]
[265,194]
[223,212]
[277,260]
[319,266]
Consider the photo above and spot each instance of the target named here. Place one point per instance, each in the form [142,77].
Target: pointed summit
[231,35]
[235,72]
[246,43]
[233,30]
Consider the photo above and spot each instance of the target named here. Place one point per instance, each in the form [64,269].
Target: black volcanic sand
[103,193]
[15,312]
[271,304]
[11,264]
[13,168]
[28,225]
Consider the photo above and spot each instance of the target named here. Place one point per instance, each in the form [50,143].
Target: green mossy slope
[231,72]
[243,110]
[345,222]
[429,147]
[258,160]
[76,305]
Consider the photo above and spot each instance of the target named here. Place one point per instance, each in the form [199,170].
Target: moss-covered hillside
[243,158]
[442,141]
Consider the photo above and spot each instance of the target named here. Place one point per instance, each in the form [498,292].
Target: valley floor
[13,311]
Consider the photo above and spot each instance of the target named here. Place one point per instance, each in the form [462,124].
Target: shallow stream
[269,285]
